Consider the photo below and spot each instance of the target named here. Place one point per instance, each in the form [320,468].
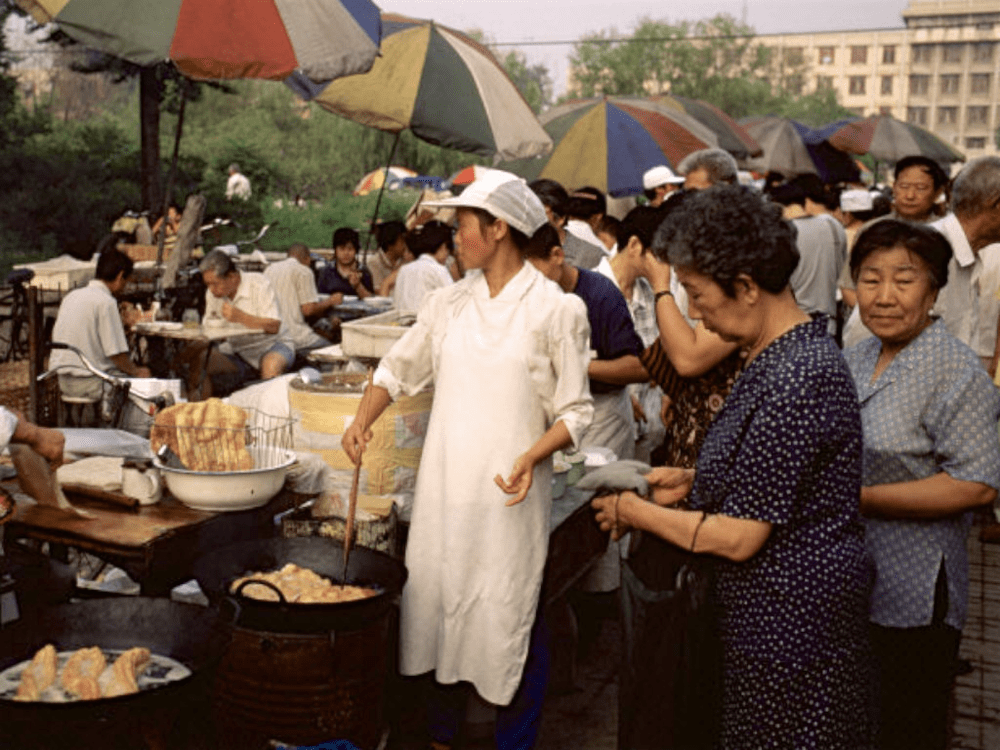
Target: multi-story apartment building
[941,71]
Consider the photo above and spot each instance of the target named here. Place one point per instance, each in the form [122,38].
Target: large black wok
[190,634]
[217,570]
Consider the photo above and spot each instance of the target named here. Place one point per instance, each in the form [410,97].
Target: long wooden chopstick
[352,506]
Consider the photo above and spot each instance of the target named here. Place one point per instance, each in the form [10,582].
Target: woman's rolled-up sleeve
[569,351]
[408,367]
[962,422]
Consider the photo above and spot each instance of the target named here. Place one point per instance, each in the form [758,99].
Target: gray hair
[720,165]
[977,187]
[218,262]
[234,167]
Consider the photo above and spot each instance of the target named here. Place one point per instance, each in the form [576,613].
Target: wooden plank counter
[157,545]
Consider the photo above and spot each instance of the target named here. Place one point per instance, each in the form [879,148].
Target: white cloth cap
[661,175]
[856,200]
[505,196]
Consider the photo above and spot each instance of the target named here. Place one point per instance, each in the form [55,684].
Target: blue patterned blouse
[933,409]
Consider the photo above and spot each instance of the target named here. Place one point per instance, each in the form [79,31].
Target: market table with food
[157,545]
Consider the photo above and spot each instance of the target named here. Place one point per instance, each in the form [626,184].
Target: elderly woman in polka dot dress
[774,495]
[931,454]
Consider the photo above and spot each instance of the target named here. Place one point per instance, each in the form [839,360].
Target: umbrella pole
[170,186]
[378,201]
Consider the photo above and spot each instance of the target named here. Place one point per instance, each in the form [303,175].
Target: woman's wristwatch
[659,295]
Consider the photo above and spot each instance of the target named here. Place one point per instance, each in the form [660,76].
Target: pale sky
[513,21]
[562,20]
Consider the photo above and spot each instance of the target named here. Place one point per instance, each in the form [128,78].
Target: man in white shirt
[974,224]
[295,288]
[431,244]
[243,299]
[237,186]
[88,319]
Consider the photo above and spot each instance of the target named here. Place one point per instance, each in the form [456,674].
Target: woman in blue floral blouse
[931,454]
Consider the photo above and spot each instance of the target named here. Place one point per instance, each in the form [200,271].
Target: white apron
[475,565]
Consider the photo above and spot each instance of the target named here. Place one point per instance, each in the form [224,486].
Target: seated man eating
[239,298]
[88,318]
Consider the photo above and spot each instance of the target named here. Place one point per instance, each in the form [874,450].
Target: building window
[947,115]
[856,84]
[975,143]
[951,53]
[979,83]
[977,115]
[826,55]
[889,54]
[919,85]
[794,84]
[916,115]
[949,84]
[824,82]
[794,56]
[859,55]
[923,53]
[982,52]
[885,111]
[886,85]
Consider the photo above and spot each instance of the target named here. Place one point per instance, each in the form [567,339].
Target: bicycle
[117,397]
[15,324]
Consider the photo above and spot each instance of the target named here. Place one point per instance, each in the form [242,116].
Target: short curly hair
[726,231]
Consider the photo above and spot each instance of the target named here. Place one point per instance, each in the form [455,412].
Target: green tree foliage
[718,60]
[533,81]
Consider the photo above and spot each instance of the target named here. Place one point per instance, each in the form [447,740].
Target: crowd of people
[804,373]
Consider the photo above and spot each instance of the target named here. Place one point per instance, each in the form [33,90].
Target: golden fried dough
[301,586]
[38,675]
[120,677]
[206,435]
[80,674]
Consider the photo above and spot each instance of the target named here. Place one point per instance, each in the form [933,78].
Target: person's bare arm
[936,496]
[692,351]
[375,400]
[620,371]
[736,539]
[124,363]
[309,309]
[519,481]
[43,440]
[235,315]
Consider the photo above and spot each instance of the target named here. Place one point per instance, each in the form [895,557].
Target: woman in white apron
[507,352]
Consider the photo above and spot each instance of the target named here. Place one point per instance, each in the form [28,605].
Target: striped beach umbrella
[223,39]
[609,142]
[444,86]
[375,179]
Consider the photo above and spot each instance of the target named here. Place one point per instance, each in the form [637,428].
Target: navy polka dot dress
[786,448]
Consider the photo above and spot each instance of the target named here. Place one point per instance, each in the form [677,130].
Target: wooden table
[210,335]
[157,545]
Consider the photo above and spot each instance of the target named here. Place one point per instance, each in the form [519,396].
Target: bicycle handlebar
[83,359]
